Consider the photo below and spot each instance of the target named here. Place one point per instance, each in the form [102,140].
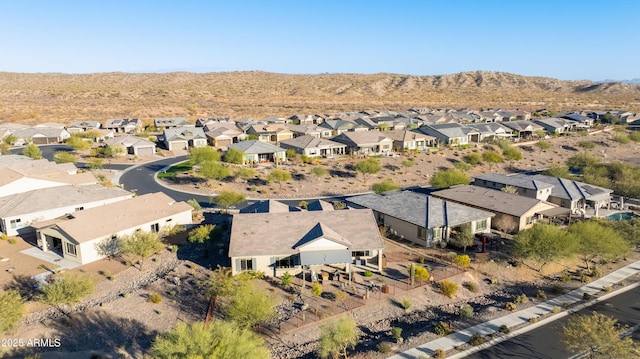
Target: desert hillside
[34,98]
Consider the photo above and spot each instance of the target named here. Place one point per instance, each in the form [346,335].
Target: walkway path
[521,317]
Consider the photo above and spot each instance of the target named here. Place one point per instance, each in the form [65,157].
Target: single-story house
[133,145]
[256,151]
[41,135]
[340,126]
[271,133]
[554,125]
[585,121]
[310,130]
[268,206]
[81,235]
[314,147]
[203,122]
[222,134]
[277,242]
[491,130]
[420,218]
[366,143]
[123,125]
[451,134]
[516,212]
[162,123]
[82,126]
[183,138]
[405,140]
[523,129]
[18,211]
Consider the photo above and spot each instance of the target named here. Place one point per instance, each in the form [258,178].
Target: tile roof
[256,147]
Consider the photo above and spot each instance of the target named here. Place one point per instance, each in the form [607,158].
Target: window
[385,147]
[79,209]
[360,254]
[71,249]
[422,233]
[284,262]
[530,220]
[246,264]
[437,234]
[481,225]
[15,223]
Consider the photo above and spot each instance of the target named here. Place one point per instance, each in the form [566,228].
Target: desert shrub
[406,303]
[12,240]
[510,306]
[476,339]
[440,354]
[154,298]
[521,299]
[409,162]
[316,289]
[368,273]
[396,334]
[443,329]
[596,272]
[565,277]
[504,329]
[512,154]
[449,288]
[470,286]
[384,348]
[623,139]
[557,289]
[533,320]
[634,136]
[541,294]
[587,145]
[555,310]
[463,261]
[462,166]
[466,311]
[473,159]
[286,280]
[587,296]
[585,278]
[606,289]
[493,281]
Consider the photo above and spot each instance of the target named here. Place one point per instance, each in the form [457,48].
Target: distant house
[574,195]
[492,130]
[422,219]
[275,243]
[162,123]
[203,122]
[133,145]
[41,135]
[405,140]
[523,129]
[366,143]
[310,130]
[184,138]
[634,125]
[18,211]
[340,126]
[124,125]
[314,147]
[221,134]
[585,121]
[82,126]
[257,152]
[555,125]
[80,235]
[451,134]
[520,212]
[271,133]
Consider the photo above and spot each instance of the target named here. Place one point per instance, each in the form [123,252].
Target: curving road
[545,342]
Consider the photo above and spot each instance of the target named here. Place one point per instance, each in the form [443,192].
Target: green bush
[587,145]
[533,320]
[12,240]
[473,159]
[596,272]
[623,139]
[510,306]
[316,289]
[466,311]
[409,162]
[406,303]
[449,288]
[606,289]
[565,277]
[384,348]
[541,294]
[555,310]
[443,329]
[286,280]
[634,136]
[504,329]
[462,260]
[154,298]
[476,339]
[471,286]
[521,299]
[440,354]
[368,273]
[396,334]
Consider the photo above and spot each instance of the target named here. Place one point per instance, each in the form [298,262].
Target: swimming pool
[621,216]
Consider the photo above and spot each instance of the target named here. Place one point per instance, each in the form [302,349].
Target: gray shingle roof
[516,181]
[412,207]
[310,142]
[256,147]
[568,189]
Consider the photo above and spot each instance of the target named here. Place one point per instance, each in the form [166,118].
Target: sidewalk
[522,317]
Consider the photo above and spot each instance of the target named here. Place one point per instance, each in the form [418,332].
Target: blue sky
[564,39]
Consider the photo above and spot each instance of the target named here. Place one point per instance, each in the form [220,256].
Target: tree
[558,171]
[279,176]
[195,204]
[336,337]
[214,170]
[78,143]
[200,155]
[218,340]
[465,236]
[544,243]
[5,148]
[234,155]
[221,282]
[582,160]
[12,309]
[384,186]
[95,163]
[204,233]
[9,139]
[597,336]
[67,289]
[250,305]
[64,157]
[447,178]
[598,242]
[227,199]
[368,167]
[505,223]
[491,157]
[32,151]
[142,245]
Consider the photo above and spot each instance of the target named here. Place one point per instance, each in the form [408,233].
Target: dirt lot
[118,319]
